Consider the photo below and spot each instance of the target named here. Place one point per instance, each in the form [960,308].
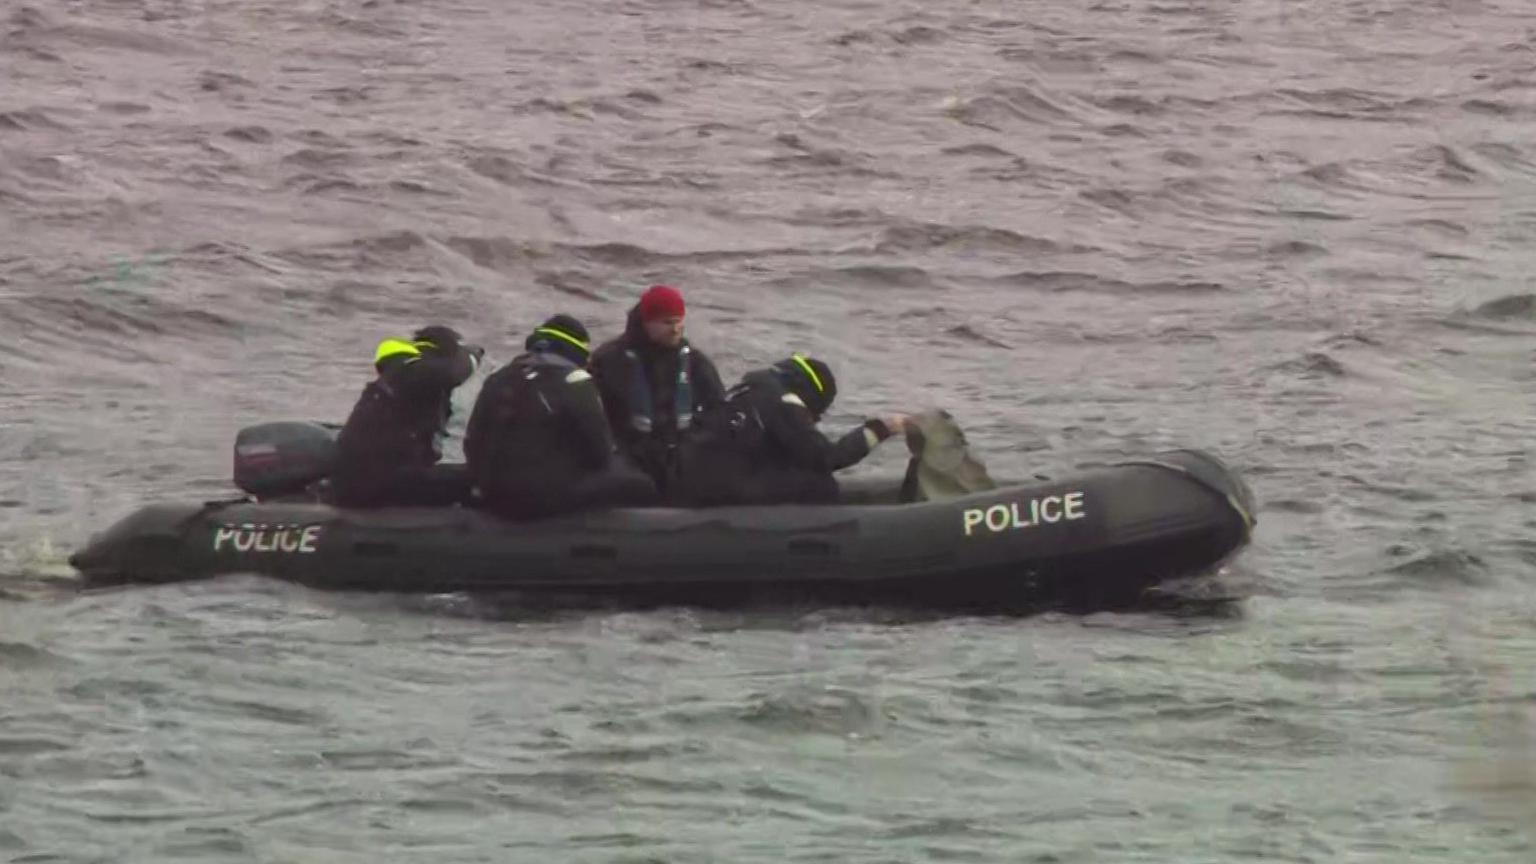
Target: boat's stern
[144,546]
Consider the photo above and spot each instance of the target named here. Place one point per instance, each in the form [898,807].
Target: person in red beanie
[653,382]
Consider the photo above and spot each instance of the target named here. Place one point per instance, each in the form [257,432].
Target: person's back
[762,445]
[388,451]
[538,442]
[653,382]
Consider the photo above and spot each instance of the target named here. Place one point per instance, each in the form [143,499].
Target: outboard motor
[284,457]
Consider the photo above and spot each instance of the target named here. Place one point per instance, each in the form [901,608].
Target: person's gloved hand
[878,429]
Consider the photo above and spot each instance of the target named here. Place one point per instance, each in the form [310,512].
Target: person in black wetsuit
[388,451]
[538,442]
[654,383]
[762,445]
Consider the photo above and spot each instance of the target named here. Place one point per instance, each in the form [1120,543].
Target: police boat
[943,536]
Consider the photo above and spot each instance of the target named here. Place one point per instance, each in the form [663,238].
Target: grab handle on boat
[606,553]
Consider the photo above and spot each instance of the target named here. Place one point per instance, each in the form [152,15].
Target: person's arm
[791,425]
[609,374]
[434,370]
[583,408]
[484,425]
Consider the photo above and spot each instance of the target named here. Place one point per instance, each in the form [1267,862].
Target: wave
[1064,281]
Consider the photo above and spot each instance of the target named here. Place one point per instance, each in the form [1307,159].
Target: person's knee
[620,489]
[699,491]
[822,489]
[636,491]
[432,486]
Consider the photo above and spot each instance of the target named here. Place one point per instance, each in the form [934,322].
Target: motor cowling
[284,457]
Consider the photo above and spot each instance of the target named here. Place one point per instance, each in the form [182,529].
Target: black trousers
[534,499]
[790,486]
[415,486]
[723,484]
[655,457]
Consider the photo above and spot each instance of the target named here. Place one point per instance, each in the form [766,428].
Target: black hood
[634,328]
[561,335]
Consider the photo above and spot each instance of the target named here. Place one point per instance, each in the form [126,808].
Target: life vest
[643,415]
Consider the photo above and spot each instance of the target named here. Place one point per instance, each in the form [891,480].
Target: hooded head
[561,335]
[810,379]
[433,337]
[437,337]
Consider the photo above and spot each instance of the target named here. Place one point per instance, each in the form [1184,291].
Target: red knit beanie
[661,301]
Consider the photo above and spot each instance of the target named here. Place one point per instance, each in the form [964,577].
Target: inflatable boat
[1096,539]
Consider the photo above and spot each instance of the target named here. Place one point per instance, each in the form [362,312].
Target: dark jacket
[651,393]
[762,447]
[537,427]
[400,420]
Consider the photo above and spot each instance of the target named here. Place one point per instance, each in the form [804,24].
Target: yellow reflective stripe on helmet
[815,379]
[561,334]
[392,347]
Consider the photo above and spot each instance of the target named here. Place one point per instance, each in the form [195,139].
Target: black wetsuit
[388,451]
[762,447]
[651,393]
[538,443]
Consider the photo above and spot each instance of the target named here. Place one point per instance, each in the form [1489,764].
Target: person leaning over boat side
[538,442]
[388,451]
[762,445]
[654,382]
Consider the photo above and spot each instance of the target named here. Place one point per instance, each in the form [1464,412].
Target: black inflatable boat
[1094,540]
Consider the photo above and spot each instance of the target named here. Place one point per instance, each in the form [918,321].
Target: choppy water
[1293,232]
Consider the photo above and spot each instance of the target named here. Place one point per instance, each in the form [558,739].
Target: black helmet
[562,335]
[810,379]
[434,337]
